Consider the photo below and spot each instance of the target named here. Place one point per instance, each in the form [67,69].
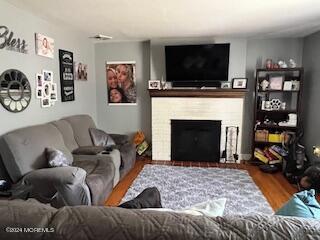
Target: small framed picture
[39,78]
[45,102]
[226,85]
[47,76]
[239,83]
[46,91]
[53,92]
[276,82]
[39,92]
[154,84]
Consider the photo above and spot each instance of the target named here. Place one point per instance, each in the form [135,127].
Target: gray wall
[257,52]
[124,119]
[311,115]
[25,25]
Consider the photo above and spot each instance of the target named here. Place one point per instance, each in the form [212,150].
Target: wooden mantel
[200,93]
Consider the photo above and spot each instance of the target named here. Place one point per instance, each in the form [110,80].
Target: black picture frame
[239,83]
[66,75]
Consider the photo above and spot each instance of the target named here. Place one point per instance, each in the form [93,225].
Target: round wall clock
[15,90]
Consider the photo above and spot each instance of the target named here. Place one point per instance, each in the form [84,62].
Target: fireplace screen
[195,140]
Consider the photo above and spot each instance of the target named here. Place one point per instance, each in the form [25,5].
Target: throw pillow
[100,138]
[302,204]
[56,158]
[89,150]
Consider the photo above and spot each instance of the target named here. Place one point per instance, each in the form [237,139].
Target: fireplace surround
[193,104]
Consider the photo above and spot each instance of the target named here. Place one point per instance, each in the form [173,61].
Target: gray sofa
[31,220]
[89,180]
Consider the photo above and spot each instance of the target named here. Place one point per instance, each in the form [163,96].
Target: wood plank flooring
[275,187]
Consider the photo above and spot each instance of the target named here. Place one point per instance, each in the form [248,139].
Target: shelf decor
[277,110]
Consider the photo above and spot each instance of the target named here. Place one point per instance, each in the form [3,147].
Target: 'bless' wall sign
[9,42]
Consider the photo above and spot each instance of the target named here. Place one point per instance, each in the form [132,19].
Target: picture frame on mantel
[239,83]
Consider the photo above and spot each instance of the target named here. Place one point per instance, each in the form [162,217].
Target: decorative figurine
[264,84]
[292,63]
[282,64]
[269,63]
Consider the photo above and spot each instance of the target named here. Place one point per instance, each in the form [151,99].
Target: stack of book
[140,142]
[270,155]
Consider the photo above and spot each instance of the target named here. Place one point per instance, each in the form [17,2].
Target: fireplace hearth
[195,140]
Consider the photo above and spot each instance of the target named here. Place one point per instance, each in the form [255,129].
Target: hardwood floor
[275,187]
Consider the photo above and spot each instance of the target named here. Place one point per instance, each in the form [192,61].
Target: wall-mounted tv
[197,65]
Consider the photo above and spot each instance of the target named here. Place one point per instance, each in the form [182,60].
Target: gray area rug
[182,187]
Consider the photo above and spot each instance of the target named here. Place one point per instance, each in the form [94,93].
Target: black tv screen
[197,65]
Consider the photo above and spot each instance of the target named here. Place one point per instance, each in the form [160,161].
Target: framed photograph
[276,82]
[53,92]
[225,85]
[121,83]
[45,102]
[39,92]
[154,84]
[47,76]
[44,45]
[239,83]
[46,90]
[39,79]
[80,71]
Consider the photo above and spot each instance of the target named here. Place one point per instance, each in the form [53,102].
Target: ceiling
[154,19]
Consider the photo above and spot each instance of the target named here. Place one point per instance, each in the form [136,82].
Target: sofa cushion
[100,174]
[302,204]
[66,130]
[80,125]
[100,137]
[56,158]
[23,150]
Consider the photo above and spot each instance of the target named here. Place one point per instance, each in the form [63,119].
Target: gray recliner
[90,178]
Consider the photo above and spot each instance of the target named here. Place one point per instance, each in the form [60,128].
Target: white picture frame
[47,76]
[154,84]
[45,102]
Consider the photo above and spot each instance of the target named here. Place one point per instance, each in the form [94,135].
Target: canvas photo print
[81,71]
[121,83]
[44,45]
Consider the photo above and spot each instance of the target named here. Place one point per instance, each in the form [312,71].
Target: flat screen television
[197,65]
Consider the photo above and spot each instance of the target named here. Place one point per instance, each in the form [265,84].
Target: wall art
[9,42]
[15,90]
[81,71]
[44,45]
[66,75]
[121,83]
[46,89]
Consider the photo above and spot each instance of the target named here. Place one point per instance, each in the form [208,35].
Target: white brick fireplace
[228,109]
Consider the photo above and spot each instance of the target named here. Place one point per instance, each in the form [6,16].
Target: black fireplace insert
[195,140]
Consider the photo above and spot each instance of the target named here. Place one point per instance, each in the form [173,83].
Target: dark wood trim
[200,93]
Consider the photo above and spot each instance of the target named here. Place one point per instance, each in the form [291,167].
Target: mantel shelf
[200,93]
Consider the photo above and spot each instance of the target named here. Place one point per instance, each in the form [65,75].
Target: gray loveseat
[89,180]
[31,220]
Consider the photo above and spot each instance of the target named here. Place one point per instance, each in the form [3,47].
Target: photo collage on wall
[46,89]
[121,83]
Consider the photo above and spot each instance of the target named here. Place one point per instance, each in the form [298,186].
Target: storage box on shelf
[278,96]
